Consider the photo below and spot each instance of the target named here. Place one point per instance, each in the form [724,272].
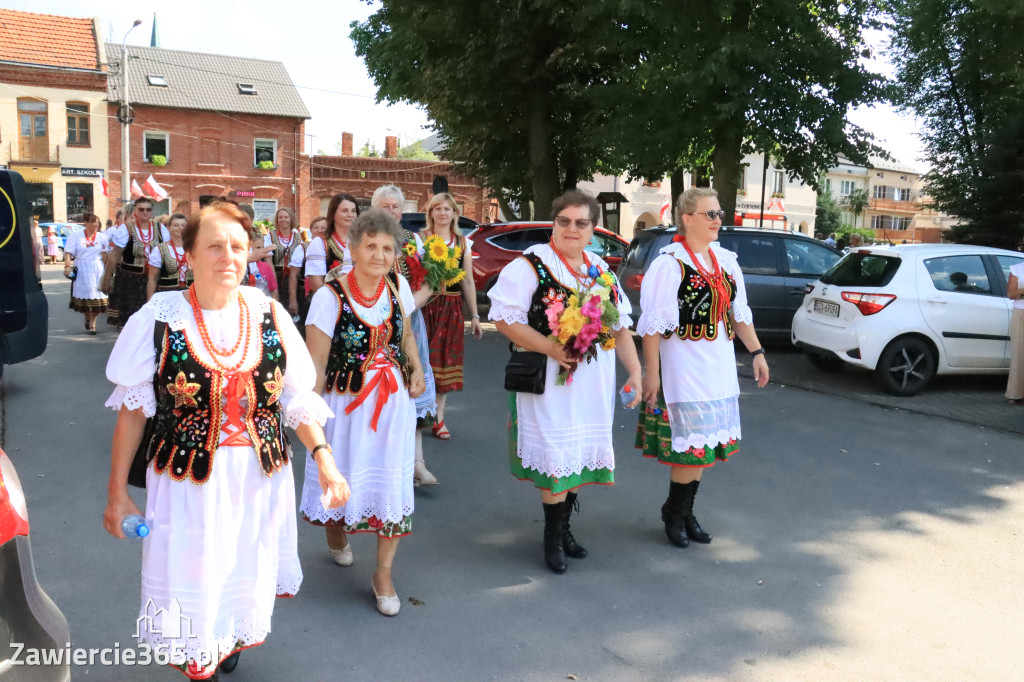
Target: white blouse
[316,258]
[323,308]
[155,259]
[132,364]
[692,371]
[512,294]
[81,251]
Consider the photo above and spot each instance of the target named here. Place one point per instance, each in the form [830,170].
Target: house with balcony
[206,126]
[53,125]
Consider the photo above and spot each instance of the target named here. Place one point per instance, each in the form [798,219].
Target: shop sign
[246,193]
[81,172]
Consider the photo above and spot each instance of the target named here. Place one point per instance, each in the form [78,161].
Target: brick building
[209,125]
[360,176]
[53,125]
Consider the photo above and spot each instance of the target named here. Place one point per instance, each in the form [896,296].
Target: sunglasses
[143,210]
[711,215]
[581,224]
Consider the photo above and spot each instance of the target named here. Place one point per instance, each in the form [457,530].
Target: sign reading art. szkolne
[81,172]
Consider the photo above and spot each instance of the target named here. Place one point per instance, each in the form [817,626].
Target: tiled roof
[48,40]
[208,82]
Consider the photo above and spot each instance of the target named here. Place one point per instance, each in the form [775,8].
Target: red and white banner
[106,187]
[153,189]
[775,204]
[665,216]
[136,190]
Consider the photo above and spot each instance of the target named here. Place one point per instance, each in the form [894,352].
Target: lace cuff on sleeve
[304,407]
[133,397]
[507,313]
[742,313]
[624,321]
[657,322]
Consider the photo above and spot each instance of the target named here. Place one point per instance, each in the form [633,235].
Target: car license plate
[826,308]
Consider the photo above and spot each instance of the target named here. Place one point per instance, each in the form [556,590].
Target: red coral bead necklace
[357,294]
[244,331]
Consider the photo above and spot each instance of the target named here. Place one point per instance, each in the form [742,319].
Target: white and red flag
[776,203]
[136,190]
[665,216]
[106,187]
[153,189]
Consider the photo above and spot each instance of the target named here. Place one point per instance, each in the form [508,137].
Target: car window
[962,274]
[606,247]
[808,258]
[755,253]
[636,254]
[1006,262]
[520,240]
[863,270]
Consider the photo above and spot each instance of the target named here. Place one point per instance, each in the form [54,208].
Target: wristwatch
[317,448]
[755,353]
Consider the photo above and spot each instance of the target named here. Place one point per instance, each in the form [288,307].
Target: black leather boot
[572,548]
[554,548]
[693,529]
[672,514]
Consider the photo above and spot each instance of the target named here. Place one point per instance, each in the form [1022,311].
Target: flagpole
[125,117]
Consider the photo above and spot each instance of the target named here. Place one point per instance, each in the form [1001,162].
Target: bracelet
[475,317]
[755,353]
[316,448]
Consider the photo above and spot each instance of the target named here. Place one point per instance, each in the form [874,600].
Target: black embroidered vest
[547,292]
[335,255]
[356,343]
[701,307]
[187,429]
[283,255]
[401,265]
[169,271]
[133,255]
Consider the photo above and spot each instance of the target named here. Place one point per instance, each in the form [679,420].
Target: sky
[312,41]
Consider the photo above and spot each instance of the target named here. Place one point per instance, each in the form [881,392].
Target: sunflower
[438,250]
[456,279]
[452,263]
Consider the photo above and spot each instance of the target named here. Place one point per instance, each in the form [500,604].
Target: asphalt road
[852,542]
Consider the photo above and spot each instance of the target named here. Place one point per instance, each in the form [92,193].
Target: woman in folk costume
[693,303]
[129,255]
[86,248]
[561,439]
[370,372]
[287,242]
[331,251]
[391,199]
[443,314]
[168,262]
[220,372]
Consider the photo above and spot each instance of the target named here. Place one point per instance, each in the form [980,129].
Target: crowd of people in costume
[353,340]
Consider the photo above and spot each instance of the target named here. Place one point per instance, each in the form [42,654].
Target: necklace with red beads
[89,241]
[583,280]
[715,277]
[341,244]
[181,260]
[146,238]
[285,242]
[244,331]
[357,294]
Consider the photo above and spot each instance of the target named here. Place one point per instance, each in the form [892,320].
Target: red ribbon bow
[234,427]
[385,383]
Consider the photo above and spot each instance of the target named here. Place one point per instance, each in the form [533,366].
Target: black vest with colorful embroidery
[334,254]
[401,264]
[701,307]
[547,292]
[169,271]
[187,428]
[283,255]
[133,255]
[356,343]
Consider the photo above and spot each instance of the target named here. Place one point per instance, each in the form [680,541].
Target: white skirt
[87,281]
[222,550]
[378,465]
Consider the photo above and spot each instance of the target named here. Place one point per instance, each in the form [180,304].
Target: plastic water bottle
[626,396]
[134,526]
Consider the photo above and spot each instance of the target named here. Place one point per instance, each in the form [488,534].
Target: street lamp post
[126,119]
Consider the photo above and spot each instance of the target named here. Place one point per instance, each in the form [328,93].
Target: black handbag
[140,463]
[526,371]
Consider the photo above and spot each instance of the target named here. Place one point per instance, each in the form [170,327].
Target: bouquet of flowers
[442,263]
[583,323]
[417,273]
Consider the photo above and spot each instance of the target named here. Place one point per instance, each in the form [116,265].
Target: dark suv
[777,266]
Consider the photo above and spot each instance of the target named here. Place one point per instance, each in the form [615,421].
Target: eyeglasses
[581,224]
[711,215]
[143,210]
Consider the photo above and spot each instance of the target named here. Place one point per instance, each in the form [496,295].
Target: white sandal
[388,606]
[343,557]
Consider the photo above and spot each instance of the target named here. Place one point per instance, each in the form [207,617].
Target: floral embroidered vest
[356,343]
[134,253]
[547,292]
[283,254]
[189,413]
[335,255]
[169,271]
[701,307]
[401,265]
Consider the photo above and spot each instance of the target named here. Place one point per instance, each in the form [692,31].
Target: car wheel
[826,363]
[906,366]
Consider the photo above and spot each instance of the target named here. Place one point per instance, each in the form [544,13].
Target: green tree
[723,78]
[826,214]
[367,150]
[959,69]
[856,201]
[415,151]
[507,84]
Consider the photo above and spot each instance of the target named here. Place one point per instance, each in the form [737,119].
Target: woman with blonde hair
[693,303]
[443,314]
[285,239]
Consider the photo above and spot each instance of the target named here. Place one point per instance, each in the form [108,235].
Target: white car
[909,312]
